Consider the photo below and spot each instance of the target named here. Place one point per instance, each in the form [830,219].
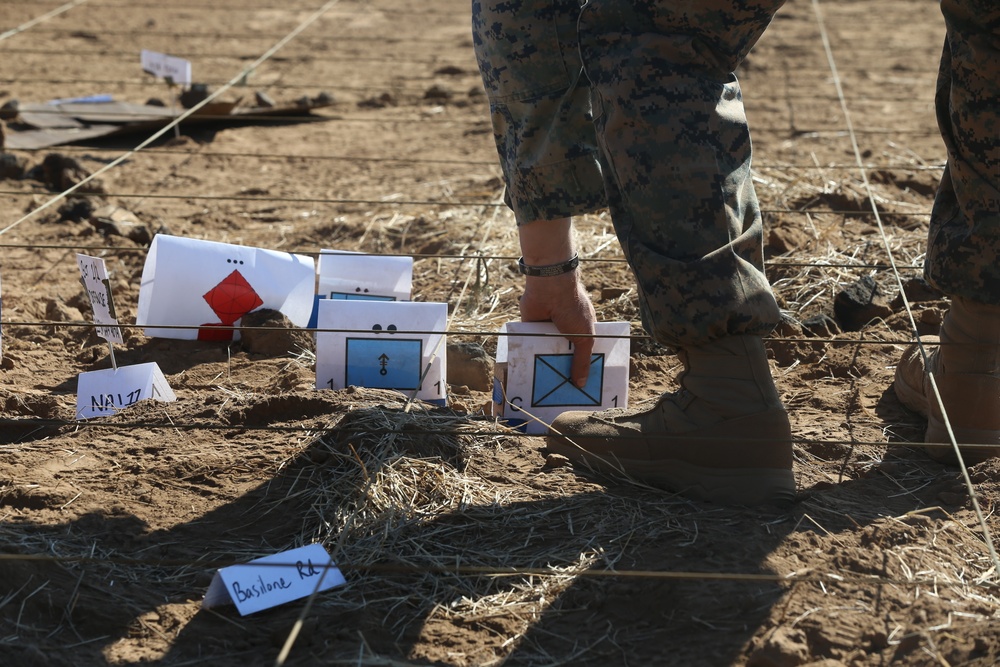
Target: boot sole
[729,486]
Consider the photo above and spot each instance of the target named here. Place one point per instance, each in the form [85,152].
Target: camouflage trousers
[634,106]
[963,246]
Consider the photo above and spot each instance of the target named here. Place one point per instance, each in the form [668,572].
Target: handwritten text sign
[94,276]
[106,392]
[273,580]
[383,345]
[533,386]
[169,68]
[209,286]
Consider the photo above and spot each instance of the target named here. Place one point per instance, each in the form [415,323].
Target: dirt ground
[462,544]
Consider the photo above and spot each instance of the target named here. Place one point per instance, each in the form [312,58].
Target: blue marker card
[552,386]
[348,275]
[397,345]
[384,363]
[534,362]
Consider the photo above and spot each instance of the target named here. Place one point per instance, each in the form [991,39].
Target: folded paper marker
[532,383]
[274,580]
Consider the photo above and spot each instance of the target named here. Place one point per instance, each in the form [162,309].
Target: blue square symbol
[381,363]
[552,387]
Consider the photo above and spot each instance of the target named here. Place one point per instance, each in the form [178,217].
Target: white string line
[40,19]
[385,201]
[987,536]
[161,150]
[243,75]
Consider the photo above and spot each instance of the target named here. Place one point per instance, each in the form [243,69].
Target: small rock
[76,209]
[12,167]
[822,326]
[263,100]
[197,93]
[278,339]
[860,303]
[437,92]
[470,365]
[611,293]
[10,110]
[59,172]
[116,221]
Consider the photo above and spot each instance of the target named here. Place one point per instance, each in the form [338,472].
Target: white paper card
[273,580]
[351,276]
[106,392]
[170,68]
[94,276]
[206,284]
[536,361]
[371,347]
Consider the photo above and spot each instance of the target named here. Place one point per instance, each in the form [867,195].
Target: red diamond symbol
[232,298]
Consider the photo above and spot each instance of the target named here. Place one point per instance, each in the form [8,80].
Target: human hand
[563,300]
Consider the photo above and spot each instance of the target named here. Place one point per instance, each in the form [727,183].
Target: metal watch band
[548,269]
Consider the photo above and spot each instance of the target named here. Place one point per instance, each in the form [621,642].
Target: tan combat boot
[966,368]
[723,437]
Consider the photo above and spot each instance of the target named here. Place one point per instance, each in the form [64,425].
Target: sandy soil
[462,544]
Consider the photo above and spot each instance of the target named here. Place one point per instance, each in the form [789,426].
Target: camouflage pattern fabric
[673,163]
[641,95]
[540,106]
[963,246]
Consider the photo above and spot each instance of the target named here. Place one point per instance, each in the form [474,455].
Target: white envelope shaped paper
[351,276]
[534,362]
[206,285]
[105,392]
[383,345]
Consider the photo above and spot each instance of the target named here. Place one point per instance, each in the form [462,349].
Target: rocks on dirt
[11,167]
[59,172]
[860,303]
[278,338]
[113,220]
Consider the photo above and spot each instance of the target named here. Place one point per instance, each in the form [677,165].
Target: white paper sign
[534,365]
[206,285]
[378,352]
[351,276]
[273,580]
[94,276]
[170,68]
[106,392]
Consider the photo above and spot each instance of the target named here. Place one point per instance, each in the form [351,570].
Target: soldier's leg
[963,248]
[539,105]
[670,123]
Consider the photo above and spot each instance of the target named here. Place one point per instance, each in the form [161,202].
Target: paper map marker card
[273,580]
[206,285]
[105,392]
[350,276]
[176,71]
[532,372]
[377,352]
